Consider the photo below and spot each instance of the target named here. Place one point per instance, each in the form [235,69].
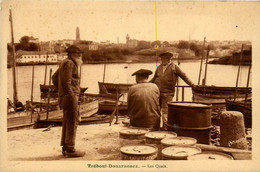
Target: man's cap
[166,55]
[142,72]
[74,49]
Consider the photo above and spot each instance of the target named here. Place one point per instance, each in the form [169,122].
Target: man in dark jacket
[143,102]
[165,78]
[68,91]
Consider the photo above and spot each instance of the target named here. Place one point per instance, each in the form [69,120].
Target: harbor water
[218,75]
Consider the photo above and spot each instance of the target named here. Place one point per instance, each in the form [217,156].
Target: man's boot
[72,153]
[64,149]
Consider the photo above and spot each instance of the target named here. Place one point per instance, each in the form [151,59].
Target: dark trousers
[69,126]
[164,99]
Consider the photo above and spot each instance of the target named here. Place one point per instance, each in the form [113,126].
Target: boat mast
[202,58]
[156,42]
[238,71]
[15,100]
[32,83]
[46,63]
[104,72]
[206,67]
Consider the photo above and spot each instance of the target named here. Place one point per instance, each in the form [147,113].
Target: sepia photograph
[130,85]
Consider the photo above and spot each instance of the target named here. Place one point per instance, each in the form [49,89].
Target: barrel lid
[180,151]
[139,150]
[159,135]
[133,131]
[190,104]
[210,155]
[179,141]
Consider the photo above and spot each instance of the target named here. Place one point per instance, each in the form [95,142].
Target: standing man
[165,78]
[143,102]
[67,77]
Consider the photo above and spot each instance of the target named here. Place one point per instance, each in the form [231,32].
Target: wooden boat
[109,106]
[214,94]
[105,87]
[116,89]
[52,90]
[87,108]
[244,108]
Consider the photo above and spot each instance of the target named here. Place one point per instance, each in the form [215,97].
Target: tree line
[24,44]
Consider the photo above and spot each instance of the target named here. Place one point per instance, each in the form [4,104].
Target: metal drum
[190,119]
[178,141]
[179,152]
[210,155]
[154,138]
[132,136]
[139,152]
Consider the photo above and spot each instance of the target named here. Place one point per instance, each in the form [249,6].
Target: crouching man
[143,102]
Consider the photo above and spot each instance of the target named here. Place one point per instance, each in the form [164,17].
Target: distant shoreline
[105,62]
[132,61]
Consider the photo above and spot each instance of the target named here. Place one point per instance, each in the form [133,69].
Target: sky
[101,21]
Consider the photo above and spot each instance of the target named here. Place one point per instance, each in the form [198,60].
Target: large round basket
[154,138]
[132,136]
[139,152]
[178,141]
[179,152]
[210,155]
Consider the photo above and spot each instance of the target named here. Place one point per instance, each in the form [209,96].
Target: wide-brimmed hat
[73,49]
[142,72]
[166,55]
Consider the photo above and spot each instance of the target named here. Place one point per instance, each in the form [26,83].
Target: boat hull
[109,107]
[26,118]
[212,94]
[246,110]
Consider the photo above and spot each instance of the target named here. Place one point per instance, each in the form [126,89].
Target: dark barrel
[191,119]
[189,114]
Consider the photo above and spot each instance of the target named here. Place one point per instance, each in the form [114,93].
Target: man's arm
[66,77]
[183,76]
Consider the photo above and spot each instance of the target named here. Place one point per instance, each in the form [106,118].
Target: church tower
[77,34]
[127,39]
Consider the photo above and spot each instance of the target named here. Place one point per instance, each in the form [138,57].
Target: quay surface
[99,141]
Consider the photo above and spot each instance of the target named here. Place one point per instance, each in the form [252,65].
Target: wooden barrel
[210,155]
[154,138]
[202,135]
[179,152]
[138,152]
[191,119]
[189,114]
[132,136]
[178,141]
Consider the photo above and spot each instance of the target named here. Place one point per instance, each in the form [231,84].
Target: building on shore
[39,57]
[93,47]
[131,43]
[46,46]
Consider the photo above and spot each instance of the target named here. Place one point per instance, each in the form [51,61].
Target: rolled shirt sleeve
[183,76]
